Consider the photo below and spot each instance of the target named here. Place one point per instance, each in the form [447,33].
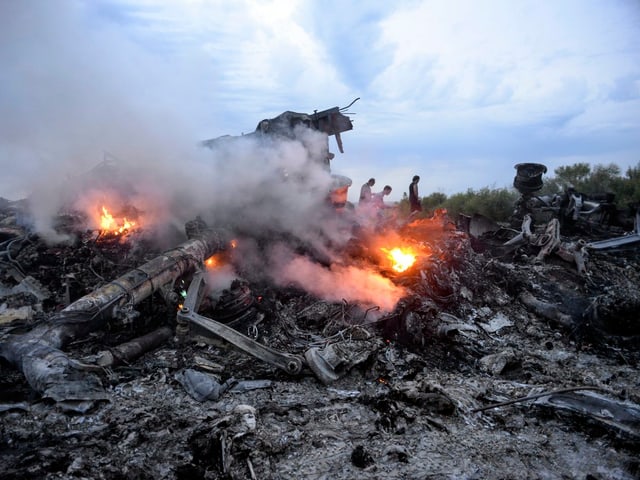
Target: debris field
[121,358]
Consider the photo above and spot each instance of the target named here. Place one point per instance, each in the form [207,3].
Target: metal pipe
[130,289]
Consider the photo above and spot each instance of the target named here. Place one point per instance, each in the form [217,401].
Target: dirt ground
[420,402]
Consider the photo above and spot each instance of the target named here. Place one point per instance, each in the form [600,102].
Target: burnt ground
[421,401]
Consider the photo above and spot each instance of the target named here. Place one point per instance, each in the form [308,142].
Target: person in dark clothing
[414,198]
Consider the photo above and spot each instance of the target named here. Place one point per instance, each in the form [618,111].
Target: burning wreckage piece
[188,316]
[49,371]
[328,363]
[332,122]
[38,353]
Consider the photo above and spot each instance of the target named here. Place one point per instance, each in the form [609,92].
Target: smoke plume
[336,282]
[93,118]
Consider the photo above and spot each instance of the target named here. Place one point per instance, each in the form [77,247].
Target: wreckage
[292,125]
[570,212]
[142,366]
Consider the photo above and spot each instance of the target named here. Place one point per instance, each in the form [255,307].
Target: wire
[344,108]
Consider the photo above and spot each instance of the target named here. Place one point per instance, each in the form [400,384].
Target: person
[365,191]
[378,210]
[377,199]
[414,198]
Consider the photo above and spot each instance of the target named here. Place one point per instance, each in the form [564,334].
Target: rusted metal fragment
[126,352]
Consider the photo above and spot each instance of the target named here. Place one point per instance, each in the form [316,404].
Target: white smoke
[219,279]
[91,117]
[335,282]
[72,91]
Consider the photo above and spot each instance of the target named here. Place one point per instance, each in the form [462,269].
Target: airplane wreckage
[458,348]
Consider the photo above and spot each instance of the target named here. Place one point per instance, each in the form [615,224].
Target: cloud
[440,82]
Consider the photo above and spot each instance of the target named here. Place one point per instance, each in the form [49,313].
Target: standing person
[414,198]
[365,191]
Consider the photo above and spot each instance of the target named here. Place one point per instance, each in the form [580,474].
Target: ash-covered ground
[491,366]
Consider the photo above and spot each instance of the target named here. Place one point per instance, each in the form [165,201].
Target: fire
[111,225]
[212,262]
[401,258]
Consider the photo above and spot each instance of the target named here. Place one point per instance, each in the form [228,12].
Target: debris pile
[416,348]
[490,364]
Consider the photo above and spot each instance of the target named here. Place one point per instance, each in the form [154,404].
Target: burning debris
[283,352]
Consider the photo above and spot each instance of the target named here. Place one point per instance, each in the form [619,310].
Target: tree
[602,179]
[573,175]
[433,201]
[496,204]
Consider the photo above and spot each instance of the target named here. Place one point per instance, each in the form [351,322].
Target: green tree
[496,204]
[433,201]
[602,179]
[573,175]
[627,189]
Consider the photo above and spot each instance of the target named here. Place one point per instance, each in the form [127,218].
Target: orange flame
[212,262]
[401,258]
[111,225]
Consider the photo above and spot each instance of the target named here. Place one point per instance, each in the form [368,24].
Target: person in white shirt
[365,191]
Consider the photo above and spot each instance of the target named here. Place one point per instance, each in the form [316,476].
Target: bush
[496,204]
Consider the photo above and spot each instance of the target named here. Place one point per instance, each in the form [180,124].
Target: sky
[455,91]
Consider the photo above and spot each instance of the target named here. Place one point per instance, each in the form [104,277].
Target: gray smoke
[74,94]
[92,118]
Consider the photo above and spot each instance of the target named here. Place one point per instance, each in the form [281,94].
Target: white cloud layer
[455,91]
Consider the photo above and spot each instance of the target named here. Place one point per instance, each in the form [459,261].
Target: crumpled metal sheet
[621,416]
